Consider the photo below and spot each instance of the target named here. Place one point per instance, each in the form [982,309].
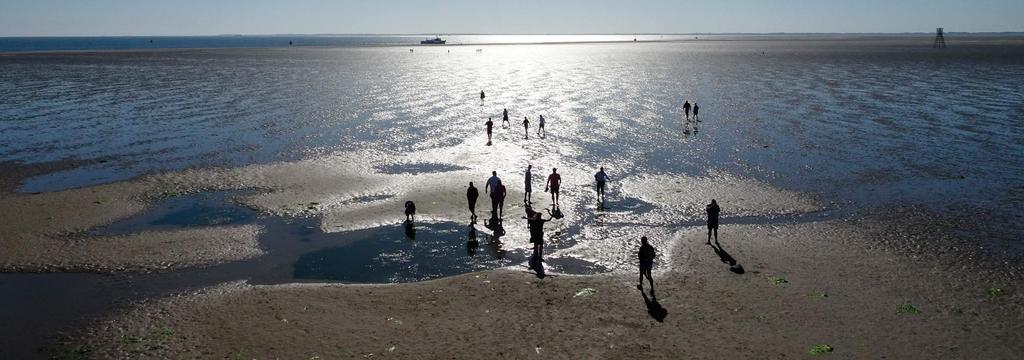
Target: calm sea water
[22,44]
[867,121]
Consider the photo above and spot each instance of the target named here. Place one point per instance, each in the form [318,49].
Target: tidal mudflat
[254,209]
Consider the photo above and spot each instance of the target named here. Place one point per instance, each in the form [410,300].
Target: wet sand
[846,276]
[839,290]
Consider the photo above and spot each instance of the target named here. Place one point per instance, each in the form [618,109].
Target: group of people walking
[695,108]
[497,191]
[505,122]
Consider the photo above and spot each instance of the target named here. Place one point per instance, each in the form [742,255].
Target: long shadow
[654,309]
[734,266]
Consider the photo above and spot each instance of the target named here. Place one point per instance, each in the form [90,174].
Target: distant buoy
[289,43]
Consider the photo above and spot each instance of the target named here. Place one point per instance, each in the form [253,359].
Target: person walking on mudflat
[526,127]
[686,109]
[554,182]
[504,118]
[536,225]
[601,179]
[540,127]
[471,195]
[529,185]
[646,256]
[695,110]
[492,188]
[502,192]
[490,129]
[712,210]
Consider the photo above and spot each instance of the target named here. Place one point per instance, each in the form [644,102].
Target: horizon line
[532,34]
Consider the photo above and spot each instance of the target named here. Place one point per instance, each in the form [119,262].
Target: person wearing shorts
[554,182]
[712,210]
[536,225]
[646,256]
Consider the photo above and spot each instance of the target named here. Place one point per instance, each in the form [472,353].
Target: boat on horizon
[435,41]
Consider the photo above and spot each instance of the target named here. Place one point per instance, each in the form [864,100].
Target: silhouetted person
[528,178]
[556,212]
[540,126]
[482,96]
[554,182]
[410,230]
[601,179]
[696,109]
[504,118]
[536,225]
[490,127]
[502,192]
[646,257]
[712,210]
[471,195]
[491,188]
[410,211]
[526,127]
[686,109]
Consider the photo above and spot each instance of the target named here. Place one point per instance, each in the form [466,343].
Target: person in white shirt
[491,189]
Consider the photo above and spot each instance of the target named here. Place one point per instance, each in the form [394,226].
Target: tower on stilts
[940,41]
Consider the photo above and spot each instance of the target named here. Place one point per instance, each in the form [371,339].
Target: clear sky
[211,17]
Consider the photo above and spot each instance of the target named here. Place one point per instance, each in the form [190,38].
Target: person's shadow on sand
[654,308]
[734,266]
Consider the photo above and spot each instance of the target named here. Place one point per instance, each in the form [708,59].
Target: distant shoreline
[695,39]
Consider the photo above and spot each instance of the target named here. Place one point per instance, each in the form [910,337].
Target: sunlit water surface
[858,123]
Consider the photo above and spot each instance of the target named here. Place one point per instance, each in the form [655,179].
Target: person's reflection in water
[497,230]
[471,243]
[410,230]
[556,212]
